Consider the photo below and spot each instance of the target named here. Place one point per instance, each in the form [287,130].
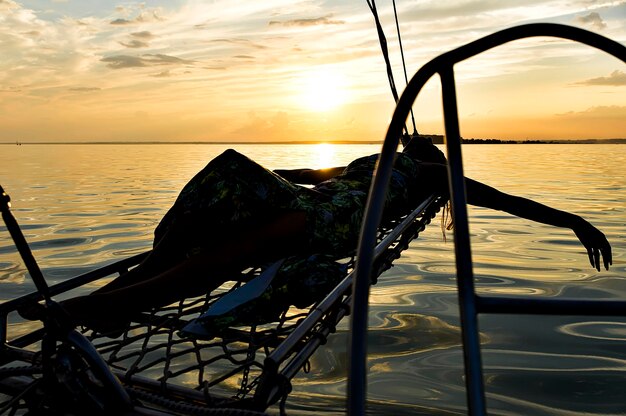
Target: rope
[191,409]
[385,51]
[406,78]
[13,404]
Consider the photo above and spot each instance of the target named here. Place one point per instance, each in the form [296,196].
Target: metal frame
[289,357]
[470,304]
[280,365]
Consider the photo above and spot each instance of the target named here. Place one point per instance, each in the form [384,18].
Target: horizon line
[295,142]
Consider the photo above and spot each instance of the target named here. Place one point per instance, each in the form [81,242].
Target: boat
[152,369]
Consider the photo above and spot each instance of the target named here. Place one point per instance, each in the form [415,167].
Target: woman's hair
[422,148]
[447,222]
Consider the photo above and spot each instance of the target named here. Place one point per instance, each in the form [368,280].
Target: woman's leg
[232,193]
[159,260]
[280,237]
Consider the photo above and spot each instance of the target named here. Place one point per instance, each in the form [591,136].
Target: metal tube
[22,246]
[464,273]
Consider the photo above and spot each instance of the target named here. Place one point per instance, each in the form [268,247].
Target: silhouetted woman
[235,214]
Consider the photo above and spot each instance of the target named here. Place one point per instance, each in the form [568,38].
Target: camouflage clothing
[300,281]
[334,224]
[232,193]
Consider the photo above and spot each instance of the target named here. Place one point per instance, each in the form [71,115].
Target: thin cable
[406,78]
[385,50]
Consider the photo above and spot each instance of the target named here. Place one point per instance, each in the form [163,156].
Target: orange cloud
[324,20]
[617,78]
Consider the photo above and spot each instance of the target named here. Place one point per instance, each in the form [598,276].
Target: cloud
[598,112]
[144,16]
[8,4]
[134,43]
[243,42]
[160,59]
[140,40]
[274,126]
[121,22]
[127,61]
[143,35]
[85,89]
[592,19]
[324,20]
[163,74]
[11,89]
[435,10]
[617,78]
[39,51]
[123,61]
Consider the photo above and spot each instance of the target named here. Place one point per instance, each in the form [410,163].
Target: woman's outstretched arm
[593,239]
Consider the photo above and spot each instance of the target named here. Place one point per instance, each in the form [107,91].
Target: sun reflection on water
[325,155]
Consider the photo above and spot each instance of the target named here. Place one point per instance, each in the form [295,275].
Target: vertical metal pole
[465,277]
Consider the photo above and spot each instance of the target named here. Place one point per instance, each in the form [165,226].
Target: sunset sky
[274,70]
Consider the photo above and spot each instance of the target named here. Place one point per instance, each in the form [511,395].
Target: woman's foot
[32,311]
[107,327]
[89,312]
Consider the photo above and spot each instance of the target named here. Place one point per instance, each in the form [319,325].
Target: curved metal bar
[118,397]
[534,30]
[373,212]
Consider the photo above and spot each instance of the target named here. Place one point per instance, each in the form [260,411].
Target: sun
[323,89]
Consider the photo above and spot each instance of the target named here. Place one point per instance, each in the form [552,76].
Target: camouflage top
[334,223]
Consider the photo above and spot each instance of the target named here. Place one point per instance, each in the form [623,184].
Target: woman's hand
[596,244]
[594,241]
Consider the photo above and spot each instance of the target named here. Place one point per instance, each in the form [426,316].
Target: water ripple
[59,242]
[608,331]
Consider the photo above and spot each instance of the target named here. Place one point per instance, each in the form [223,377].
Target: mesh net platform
[244,368]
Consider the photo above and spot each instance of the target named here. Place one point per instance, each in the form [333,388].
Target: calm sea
[82,206]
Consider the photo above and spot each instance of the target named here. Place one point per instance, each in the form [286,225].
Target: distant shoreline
[312,142]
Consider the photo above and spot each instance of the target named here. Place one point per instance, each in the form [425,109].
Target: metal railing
[470,304]
[151,359]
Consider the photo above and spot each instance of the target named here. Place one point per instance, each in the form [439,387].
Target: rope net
[162,368]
